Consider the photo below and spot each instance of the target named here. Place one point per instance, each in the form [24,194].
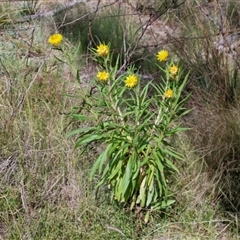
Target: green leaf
[60,60]
[172,153]
[156,194]
[175,130]
[133,187]
[87,139]
[80,130]
[160,172]
[157,161]
[161,187]
[163,204]
[78,76]
[150,176]
[133,203]
[80,117]
[146,122]
[150,193]
[146,217]
[127,176]
[99,162]
[114,165]
[103,180]
[136,169]
[142,192]
[171,165]
[114,171]
[144,91]
[119,188]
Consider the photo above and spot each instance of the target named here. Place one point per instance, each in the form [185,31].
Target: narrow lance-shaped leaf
[163,204]
[127,176]
[142,192]
[87,139]
[150,194]
[99,162]
[80,130]
[172,153]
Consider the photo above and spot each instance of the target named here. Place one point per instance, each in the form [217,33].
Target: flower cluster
[103,51]
[132,80]
[171,72]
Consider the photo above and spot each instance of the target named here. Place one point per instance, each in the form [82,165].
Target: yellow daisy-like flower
[102,50]
[173,70]
[168,93]
[103,76]
[162,55]
[55,39]
[131,81]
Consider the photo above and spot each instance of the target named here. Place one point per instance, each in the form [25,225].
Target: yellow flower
[162,55]
[131,81]
[173,70]
[103,76]
[168,93]
[102,50]
[55,39]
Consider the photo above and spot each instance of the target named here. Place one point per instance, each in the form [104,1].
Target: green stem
[138,106]
[114,103]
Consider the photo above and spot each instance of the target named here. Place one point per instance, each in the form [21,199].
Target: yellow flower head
[102,50]
[103,76]
[162,55]
[55,39]
[131,81]
[168,93]
[173,70]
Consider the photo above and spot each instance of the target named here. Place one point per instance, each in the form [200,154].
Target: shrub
[135,130]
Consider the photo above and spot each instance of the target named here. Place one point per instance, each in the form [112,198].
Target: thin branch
[208,16]
[52,12]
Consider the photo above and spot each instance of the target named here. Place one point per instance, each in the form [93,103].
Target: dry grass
[209,44]
[209,47]
[215,132]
